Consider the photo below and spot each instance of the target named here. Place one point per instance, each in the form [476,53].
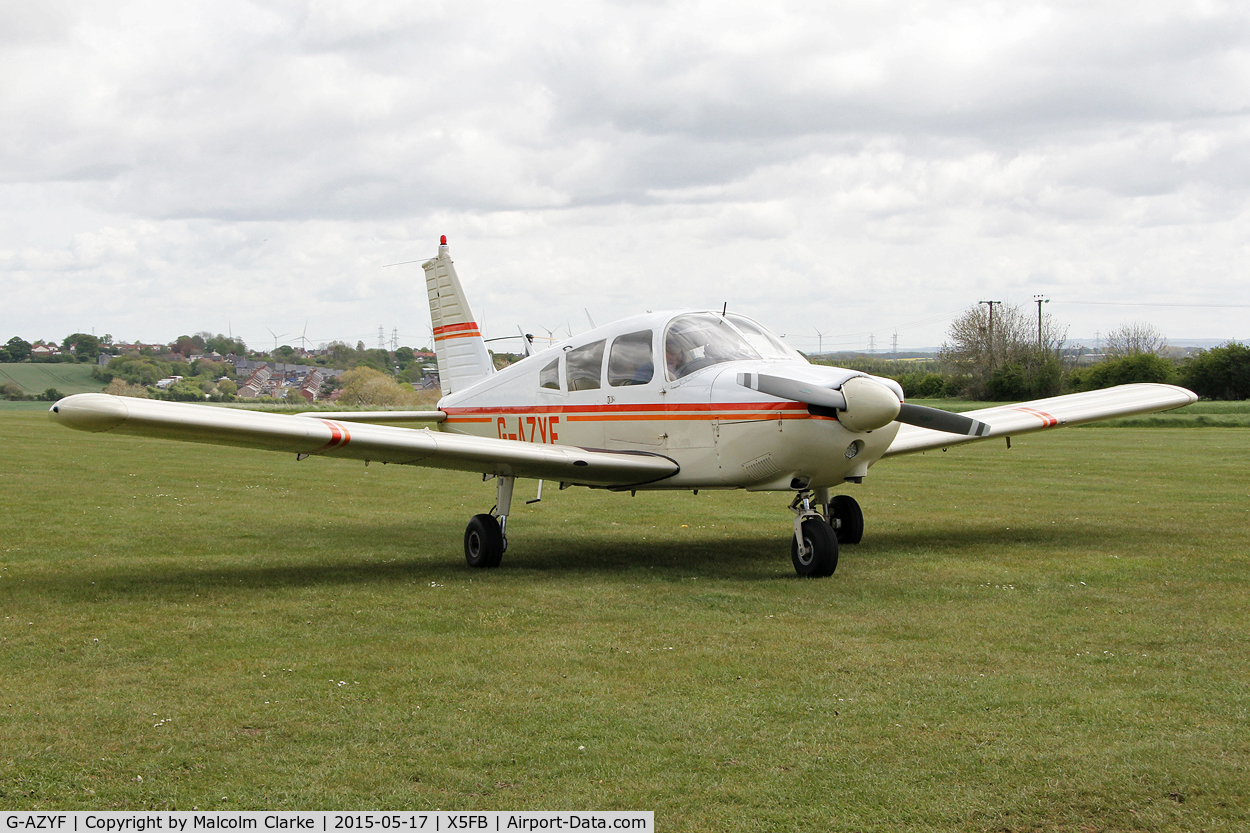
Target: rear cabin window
[549,376]
[584,366]
[629,362]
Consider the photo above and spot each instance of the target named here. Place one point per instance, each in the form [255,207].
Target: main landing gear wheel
[821,550]
[847,519]
[483,542]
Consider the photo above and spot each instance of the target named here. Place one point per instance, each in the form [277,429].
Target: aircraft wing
[307,435]
[1055,412]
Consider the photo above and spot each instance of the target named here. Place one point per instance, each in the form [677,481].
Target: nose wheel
[814,547]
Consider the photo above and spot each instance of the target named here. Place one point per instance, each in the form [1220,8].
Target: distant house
[43,351]
[311,386]
[258,383]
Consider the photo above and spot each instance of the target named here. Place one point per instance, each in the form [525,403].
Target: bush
[185,391]
[120,387]
[138,369]
[1141,367]
[1029,379]
[1219,373]
[922,385]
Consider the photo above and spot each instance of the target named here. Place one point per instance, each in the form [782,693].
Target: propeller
[864,405]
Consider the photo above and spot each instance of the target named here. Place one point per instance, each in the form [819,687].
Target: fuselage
[667,383]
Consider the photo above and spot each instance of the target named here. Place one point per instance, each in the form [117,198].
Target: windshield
[768,345]
[700,340]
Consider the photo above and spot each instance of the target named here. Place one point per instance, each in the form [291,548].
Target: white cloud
[847,167]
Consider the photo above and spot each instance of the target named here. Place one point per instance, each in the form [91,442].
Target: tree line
[993,352]
[1004,353]
[135,372]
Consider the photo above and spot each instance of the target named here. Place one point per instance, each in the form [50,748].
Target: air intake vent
[761,467]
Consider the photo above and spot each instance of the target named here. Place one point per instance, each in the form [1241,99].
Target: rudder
[458,344]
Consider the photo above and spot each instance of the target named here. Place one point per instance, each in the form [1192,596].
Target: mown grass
[1046,638]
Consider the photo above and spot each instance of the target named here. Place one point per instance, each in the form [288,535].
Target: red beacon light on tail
[442,241]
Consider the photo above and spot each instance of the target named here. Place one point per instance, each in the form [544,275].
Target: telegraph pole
[991,305]
[1039,300]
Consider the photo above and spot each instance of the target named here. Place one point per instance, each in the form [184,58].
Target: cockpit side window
[584,366]
[696,341]
[629,362]
[549,376]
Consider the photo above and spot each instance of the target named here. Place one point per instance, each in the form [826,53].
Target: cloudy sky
[844,168]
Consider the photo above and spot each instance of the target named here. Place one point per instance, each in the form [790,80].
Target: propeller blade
[875,408]
[783,388]
[862,404]
[938,420]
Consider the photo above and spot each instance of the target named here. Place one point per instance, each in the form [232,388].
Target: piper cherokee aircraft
[682,400]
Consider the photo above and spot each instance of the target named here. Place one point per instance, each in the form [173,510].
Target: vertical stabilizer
[462,356]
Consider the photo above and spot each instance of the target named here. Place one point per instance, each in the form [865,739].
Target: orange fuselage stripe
[766,409]
[729,412]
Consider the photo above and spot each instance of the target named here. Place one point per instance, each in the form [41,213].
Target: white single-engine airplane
[667,400]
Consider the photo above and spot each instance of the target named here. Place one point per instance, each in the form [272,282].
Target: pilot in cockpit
[673,357]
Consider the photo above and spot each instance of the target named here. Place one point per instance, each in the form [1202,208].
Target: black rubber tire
[823,558]
[483,542]
[846,509]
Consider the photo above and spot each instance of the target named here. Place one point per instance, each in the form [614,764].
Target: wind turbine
[275,338]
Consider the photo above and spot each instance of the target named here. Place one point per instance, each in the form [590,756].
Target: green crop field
[36,378]
[1051,637]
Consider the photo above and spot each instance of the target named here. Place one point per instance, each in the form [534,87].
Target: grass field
[34,379]
[1047,638]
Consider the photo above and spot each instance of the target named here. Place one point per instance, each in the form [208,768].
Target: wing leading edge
[307,435]
[1055,412]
